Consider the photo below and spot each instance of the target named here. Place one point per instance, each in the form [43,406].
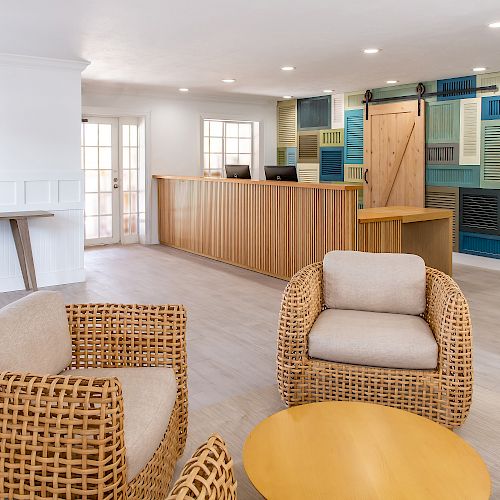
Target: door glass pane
[106,206]
[125,135]
[105,158]
[104,134]
[133,157]
[216,129]
[106,226]
[91,181]
[231,130]
[91,227]
[246,130]
[91,135]
[232,146]
[91,158]
[91,204]
[105,180]
[245,146]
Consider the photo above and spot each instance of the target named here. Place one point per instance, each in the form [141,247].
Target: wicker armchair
[62,436]
[207,475]
[443,395]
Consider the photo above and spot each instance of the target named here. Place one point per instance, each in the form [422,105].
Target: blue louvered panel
[331,164]
[490,108]
[453,175]
[353,136]
[291,157]
[464,84]
[485,245]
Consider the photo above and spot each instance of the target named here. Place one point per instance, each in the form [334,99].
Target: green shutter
[331,137]
[443,122]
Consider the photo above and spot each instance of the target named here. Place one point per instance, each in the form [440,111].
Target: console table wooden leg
[21,234]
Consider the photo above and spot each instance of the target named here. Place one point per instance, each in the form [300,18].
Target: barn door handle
[365,176]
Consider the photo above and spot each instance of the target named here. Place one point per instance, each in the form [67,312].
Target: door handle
[115,186]
[365,176]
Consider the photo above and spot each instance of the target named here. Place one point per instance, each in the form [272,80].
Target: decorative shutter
[291,157]
[308,172]
[308,147]
[463,84]
[353,173]
[443,122]
[353,136]
[281,157]
[331,164]
[332,137]
[490,108]
[485,245]
[490,158]
[470,131]
[445,197]
[353,100]
[337,111]
[395,91]
[488,79]
[480,211]
[453,175]
[314,113]
[287,124]
[442,154]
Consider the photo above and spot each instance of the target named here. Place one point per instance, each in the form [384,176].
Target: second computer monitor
[238,172]
[281,174]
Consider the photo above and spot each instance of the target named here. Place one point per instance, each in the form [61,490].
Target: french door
[110,164]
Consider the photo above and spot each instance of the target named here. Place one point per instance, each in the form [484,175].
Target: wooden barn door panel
[394,139]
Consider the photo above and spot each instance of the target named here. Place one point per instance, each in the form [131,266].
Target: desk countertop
[404,214]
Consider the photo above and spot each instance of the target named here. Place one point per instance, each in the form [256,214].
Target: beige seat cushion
[34,334]
[148,400]
[378,282]
[373,339]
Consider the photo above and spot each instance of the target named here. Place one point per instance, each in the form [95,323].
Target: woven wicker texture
[208,475]
[443,395]
[62,436]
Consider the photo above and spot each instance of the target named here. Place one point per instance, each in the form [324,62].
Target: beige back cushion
[34,335]
[378,282]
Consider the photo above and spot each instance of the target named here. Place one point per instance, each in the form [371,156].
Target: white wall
[175,124]
[40,103]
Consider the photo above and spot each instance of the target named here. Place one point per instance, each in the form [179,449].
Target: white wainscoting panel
[57,241]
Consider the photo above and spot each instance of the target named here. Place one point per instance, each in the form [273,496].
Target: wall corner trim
[30,62]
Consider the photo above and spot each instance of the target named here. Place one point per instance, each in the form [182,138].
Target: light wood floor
[232,322]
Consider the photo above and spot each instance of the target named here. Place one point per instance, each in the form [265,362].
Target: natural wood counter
[423,231]
[272,227]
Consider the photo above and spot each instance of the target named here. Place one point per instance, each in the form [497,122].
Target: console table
[20,232]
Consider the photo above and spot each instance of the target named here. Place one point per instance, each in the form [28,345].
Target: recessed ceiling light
[479,69]
[328,91]
[371,51]
[228,80]
[392,81]
[287,96]
[183,89]
[288,68]
[494,25]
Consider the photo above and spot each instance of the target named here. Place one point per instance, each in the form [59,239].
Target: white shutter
[488,79]
[354,100]
[337,111]
[470,131]
[308,172]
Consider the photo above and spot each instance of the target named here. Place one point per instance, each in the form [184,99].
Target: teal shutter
[443,122]
[353,136]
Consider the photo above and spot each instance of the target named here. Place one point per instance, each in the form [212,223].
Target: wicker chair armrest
[208,474]
[53,427]
[447,313]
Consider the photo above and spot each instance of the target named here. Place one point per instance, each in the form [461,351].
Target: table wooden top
[307,185]
[25,214]
[404,214]
[355,450]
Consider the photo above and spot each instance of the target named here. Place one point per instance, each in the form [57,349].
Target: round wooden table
[347,450]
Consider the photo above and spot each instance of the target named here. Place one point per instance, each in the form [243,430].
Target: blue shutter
[291,157]
[353,136]
[490,108]
[453,175]
[331,164]
[485,245]
[463,84]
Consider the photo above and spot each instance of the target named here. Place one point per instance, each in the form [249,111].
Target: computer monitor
[281,174]
[238,172]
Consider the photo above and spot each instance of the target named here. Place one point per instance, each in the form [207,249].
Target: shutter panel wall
[308,147]
[447,198]
[287,123]
[470,131]
[490,156]
[287,157]
[337,111]
[331,137]
[452,175]
[490,108]
[353,137]
[308,172]
[331,164]
[462,84]
[443,122]
[353,173]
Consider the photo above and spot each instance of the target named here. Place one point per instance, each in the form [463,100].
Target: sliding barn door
[394,141]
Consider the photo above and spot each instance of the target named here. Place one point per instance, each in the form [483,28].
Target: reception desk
[275,228]
[423,231]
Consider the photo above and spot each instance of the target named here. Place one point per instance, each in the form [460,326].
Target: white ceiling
[195,43]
